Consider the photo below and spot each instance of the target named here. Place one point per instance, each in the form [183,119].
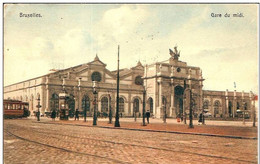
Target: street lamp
[38,106]
[144,93]
[95,102]
[190,113]
[110,110]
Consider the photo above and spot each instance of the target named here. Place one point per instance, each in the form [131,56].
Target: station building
[165,87]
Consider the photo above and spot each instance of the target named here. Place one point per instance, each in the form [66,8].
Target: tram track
[63,149]
[119,143]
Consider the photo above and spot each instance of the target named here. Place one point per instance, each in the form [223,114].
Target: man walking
[147,116]
[53,114]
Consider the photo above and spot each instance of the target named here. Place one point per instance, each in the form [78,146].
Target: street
[29,141]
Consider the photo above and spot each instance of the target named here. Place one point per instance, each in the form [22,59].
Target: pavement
[228,129]
[76,142]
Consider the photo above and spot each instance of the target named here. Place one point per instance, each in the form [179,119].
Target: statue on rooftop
[175,54]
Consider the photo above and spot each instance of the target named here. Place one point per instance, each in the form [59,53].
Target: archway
[230,108]
[150,105]
[71,104]
[178,99]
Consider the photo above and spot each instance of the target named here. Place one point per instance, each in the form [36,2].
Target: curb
[160,131]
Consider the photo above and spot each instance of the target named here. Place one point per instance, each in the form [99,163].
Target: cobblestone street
[28,141]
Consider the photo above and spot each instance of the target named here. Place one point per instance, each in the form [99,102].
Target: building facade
[166,88]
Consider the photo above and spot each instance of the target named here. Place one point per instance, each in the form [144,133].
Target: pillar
[172,109]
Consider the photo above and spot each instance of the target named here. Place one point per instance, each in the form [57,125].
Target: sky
[225,48]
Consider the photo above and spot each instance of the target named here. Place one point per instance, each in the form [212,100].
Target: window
[96,76]
[138,80]
[104,104]
[121,104]
[136,105]
[54,102]
[86,103]
[216,107]
[206,104]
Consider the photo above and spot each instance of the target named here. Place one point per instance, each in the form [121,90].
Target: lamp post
[38,106]
[117,124]
[144,93]
[110,110]
[191,124]
[95,103]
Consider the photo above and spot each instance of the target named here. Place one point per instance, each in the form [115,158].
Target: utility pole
[191,124]
[117,124]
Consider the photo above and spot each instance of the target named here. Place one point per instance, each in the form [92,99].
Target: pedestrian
[147,116]
[200,118]
[53,114]
[77,114]
[181,117]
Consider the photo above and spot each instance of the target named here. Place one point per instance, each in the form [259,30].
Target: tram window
[22,106]
[6,106]
[14,106]
[19,106]
[10,106]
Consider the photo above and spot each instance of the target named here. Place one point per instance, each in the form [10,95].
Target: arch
[54,103]
[178,99]
[150,104]
[139,80]
[71,104]
[230,105]
[104,104]
[96,76]
[206,104]
[85,105]
[121,104]
[245,107]
[216,107]
[136,105]
[238,105]
[136,97]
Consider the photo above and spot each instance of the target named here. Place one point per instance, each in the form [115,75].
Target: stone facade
[166,87]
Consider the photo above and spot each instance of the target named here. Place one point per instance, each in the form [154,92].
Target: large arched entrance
[71,103]
[178,99]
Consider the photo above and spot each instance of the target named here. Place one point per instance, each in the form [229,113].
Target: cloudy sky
[225,48]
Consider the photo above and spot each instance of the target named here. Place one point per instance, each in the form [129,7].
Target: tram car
[16,109]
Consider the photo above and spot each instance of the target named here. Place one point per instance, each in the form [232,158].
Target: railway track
[71,138]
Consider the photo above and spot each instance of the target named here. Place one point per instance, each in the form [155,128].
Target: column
[226,107]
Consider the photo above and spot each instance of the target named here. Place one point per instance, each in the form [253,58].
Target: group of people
[54,114]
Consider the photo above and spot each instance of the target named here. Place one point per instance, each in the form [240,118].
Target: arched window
[230,108]
[206,104]
[54,102]
[164,101]
[138,80]
[96,76]
[216,107]
[104,104]
[150,102]
[86,103]
[238,105]
[245,106]
[136,105]
[121,104]
[71,103]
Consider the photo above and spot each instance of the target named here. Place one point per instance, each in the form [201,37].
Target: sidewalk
[213,128]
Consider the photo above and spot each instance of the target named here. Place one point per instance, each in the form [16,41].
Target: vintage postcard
[130,83]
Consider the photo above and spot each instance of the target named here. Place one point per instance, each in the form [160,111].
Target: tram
[16,109]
